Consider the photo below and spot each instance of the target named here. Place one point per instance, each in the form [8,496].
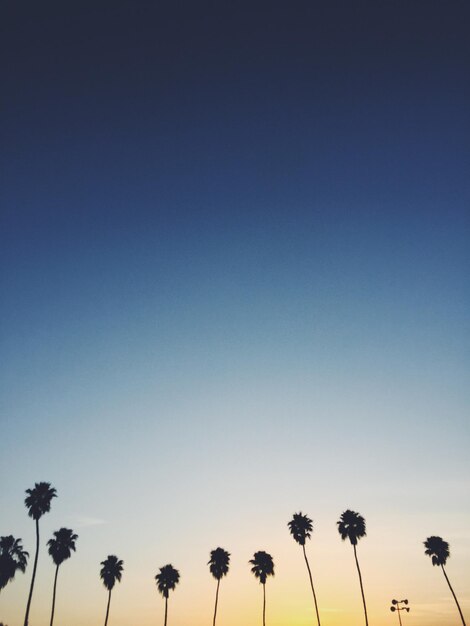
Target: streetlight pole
[396,607]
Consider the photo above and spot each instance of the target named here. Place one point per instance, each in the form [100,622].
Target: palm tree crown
[38,500]
[219,563]
[263,566]
[111,571]
[300,528]
[437,549]
[61,546]
[351,526]
[167,579]
[12,558]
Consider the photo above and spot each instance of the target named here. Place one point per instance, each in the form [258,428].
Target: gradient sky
[234,285]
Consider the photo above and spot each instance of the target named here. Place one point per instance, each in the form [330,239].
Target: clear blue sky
[234,261]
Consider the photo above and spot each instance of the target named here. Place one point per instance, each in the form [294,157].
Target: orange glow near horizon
[388,571]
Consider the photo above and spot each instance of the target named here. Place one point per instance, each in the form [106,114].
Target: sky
[234,285]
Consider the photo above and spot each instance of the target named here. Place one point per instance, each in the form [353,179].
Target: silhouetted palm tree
[167,579]
[438,550]
[263,567]
[110,572]
[218,566]
[60,549]
[352,526]
[301,528]
[38,502]
[12,558]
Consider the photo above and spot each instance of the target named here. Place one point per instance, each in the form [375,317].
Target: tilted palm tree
[352,526]
[12,559]
[438,550]
[301,528]
[38,502]
[167,579]
[109,573]
[60,549]
[218,567]
[263,567]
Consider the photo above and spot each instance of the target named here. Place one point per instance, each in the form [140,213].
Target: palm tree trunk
[455,597]
[53,594]
[107,608]
[362,588]
[28,606]
[166,610]
[311,584]
[264,604]
[216,601]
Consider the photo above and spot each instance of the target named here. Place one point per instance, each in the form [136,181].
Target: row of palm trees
[351,525]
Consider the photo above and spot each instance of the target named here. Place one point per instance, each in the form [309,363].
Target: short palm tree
[301,528]
[167,579]
[263,567]
[438,550]
[38,502]
[110,572]
[352,526]
[12,559]
[218,566]
[60,549]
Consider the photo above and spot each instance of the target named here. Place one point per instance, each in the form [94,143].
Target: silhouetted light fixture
[396,607]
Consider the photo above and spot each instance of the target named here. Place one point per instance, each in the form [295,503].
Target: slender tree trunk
[311,584]
[216,601]
[28,606]
[264,604]
[166,610]
[53,594]
[107,608]
[455,597]
[362,588]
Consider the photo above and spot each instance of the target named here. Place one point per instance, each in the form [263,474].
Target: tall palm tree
[167,579]
[12,558]
[352,526]
[38,502]
[263,567]
[438,550]
[109,573]
[301,528]
[218,567]
[60,549]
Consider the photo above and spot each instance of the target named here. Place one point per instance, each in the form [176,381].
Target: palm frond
[437,549]
[219,563]
[300,528]
[167,579]
[111,571]
[263,565]
[38,499]
[12,559]
[351,526]
[61,545]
